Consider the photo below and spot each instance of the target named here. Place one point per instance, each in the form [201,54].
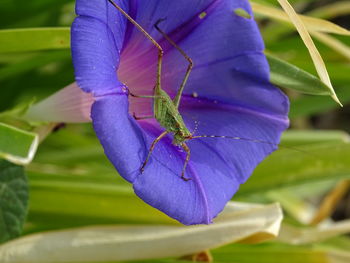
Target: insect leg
[151,149]
[160,50]
[143,96]
[189,68]
[187,150]
[142,118]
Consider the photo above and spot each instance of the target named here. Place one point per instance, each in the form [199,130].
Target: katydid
[165,109]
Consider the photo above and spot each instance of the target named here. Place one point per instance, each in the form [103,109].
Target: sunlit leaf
[17,146]
[33,39]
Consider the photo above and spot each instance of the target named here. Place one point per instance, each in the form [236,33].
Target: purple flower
[228,93]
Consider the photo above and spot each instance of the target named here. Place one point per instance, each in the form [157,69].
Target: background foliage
[71,183]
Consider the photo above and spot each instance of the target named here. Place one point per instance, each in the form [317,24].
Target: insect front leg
[189,68]
[142,118]
[151,149]
[140,28]
[188,151]
[144,96]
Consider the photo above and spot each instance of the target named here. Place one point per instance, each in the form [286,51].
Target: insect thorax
[170,118]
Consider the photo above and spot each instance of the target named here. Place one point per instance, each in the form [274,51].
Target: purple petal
[160,185]
[104,12]
[216,118]
[217,166]
[120,136]
[95,58]
[97,39]
[230,84]
[227,51]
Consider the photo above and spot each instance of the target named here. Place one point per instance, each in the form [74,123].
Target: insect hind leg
[187,150]
[151,150]
[190,65]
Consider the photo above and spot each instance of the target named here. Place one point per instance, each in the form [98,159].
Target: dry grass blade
[297,236]
[333,43]
[329,203]
[339,8]
[311,23]
[315,55]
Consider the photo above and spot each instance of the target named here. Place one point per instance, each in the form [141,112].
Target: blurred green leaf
[303,137]
[17,146]
[277,253]
[31,63]
[74,189]
[14,14]
[306,164]
[13,200]
[311,105]
[33,39]
[286,75]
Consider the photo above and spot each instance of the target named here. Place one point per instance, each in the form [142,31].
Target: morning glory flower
[228,94]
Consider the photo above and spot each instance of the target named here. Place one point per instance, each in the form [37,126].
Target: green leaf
[69,186]
[275,253]
[33,39]
[286,75]
[310,105]
[303,137]
[33,62]
[17,146]
[13,200]
[289,167]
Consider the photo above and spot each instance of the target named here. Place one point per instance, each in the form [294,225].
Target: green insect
[165,109]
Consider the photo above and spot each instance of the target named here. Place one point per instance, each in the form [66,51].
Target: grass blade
[312,24]
[315,55]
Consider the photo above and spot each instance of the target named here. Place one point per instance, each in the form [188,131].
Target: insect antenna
[251,140]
